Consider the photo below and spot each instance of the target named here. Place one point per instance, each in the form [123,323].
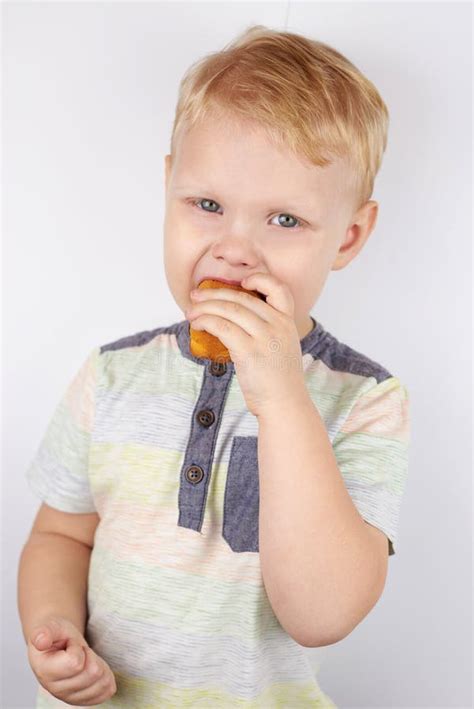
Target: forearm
[52,580]
[316,557]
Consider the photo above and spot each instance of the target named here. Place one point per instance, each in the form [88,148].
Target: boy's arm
[52,580]
[322,566]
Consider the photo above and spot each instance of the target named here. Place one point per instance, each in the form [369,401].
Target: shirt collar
[309,343]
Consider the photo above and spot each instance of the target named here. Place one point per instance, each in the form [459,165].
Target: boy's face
[249,197]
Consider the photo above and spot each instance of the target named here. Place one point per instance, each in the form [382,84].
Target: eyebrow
[208,190]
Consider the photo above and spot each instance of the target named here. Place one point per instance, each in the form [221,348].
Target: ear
[357,234]
[167,170]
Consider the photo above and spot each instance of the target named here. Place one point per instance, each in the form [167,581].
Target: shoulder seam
[138,339]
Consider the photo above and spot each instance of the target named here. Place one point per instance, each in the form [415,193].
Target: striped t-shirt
[163,447]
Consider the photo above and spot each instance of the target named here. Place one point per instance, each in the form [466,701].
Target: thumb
[51,633]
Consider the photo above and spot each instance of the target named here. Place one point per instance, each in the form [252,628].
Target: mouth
[221,280]
[225,281]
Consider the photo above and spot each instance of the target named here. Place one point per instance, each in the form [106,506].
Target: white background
[89,93]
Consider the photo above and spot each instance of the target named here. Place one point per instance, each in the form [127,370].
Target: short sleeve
[371,450]
[59,471]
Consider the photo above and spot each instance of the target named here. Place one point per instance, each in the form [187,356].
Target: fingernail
[40,637]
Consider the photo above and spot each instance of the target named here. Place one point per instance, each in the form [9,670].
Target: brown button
[194,474]
[218,368]
[206,417]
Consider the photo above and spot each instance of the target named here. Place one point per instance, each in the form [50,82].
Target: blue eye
[288,216]
[285,224]
[197,201]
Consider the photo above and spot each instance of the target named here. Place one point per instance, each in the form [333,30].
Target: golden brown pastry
[202,343]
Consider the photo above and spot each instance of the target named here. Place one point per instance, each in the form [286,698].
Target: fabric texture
[160,444]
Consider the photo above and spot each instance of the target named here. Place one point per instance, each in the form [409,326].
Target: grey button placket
[240,530]
[241,498]
[196,469]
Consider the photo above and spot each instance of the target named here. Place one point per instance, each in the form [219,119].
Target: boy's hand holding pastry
[261,337]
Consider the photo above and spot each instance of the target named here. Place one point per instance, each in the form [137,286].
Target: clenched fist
[66,666]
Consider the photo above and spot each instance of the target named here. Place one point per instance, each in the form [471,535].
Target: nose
[236,250]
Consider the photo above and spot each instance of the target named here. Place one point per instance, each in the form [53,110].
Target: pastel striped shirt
[163,447]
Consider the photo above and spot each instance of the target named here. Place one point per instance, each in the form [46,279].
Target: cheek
[179,242]
[301,272]
[181,257]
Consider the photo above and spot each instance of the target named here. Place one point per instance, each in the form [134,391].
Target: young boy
[204,519]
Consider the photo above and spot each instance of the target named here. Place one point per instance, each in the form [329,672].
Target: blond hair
[305,95]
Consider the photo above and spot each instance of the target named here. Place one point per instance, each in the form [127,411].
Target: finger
[278,293]
[236,313]
[230,334]
[94,693]
[93,670]
[256,305]
[62,664]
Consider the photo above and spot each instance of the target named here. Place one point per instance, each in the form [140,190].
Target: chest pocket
[241,497]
